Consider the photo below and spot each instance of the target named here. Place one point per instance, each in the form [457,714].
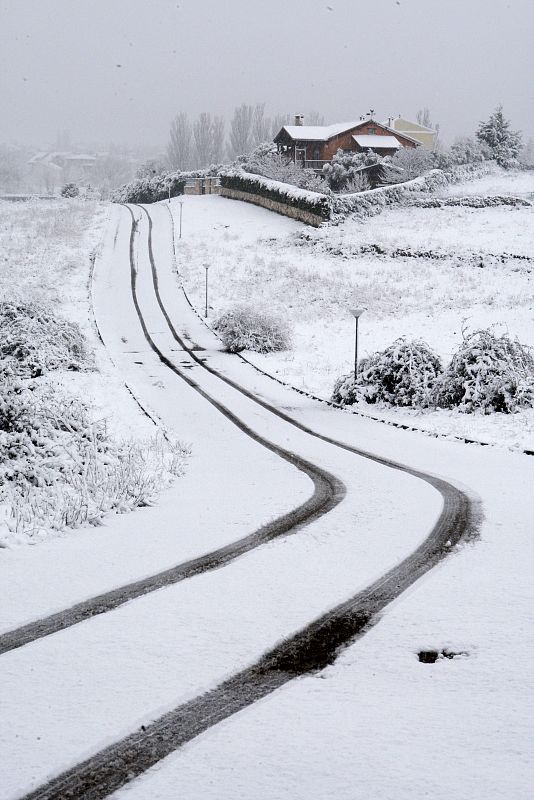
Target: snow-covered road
[100,680]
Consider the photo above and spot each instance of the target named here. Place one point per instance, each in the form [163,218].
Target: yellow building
[426,136]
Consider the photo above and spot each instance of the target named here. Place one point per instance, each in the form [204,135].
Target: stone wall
[274,205]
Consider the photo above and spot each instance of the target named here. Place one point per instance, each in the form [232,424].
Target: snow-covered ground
[312,277]
[518,183]
[376,723]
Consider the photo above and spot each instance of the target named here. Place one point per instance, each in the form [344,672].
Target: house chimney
[299,119]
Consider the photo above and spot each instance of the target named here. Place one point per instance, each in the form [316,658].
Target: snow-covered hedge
[244,328]
[403,374]
[365,204]
[488,372]
[470,201]
[33,340]
[313,202]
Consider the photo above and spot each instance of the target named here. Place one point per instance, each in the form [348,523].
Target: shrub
[70,190]
[408,163]
[150,190]
[265,161]
[401,375]
[466,150]
[345,169]
[59,469]
[34,340]
[488,372]
[244,328]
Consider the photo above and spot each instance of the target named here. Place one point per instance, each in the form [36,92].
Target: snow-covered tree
[179,147]
[503,143]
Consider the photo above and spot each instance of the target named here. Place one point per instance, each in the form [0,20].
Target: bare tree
[217,140]
[179,147]
[313,118]
[278,122]
[111,171]
[261,126]
[423,118]
[202,137]
[241,131]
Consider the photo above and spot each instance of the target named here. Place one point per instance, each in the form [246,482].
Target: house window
[371,131]
[316,153]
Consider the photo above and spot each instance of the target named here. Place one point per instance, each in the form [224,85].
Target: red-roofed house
[314,145]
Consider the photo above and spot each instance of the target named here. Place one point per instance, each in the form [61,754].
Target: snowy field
[460,273]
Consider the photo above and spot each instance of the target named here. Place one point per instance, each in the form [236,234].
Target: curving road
[311,648]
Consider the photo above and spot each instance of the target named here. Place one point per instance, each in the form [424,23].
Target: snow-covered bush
[59,469]
[70,190]
[466,150]
[33,340]
[150,189]
[343,172]
[244,328]
[408,163]
[488,372]
[266,161]
[403,374]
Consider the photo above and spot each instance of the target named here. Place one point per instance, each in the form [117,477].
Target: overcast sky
[119,70]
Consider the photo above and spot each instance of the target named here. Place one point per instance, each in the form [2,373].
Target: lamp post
[356,313]
[181,206]
[206,267]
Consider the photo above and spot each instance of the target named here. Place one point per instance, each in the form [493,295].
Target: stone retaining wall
[274,205]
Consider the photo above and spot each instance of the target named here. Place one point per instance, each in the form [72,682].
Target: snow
[507,182]
[376,723]
[376,141]
[207,626]
[319,133]
[311,278]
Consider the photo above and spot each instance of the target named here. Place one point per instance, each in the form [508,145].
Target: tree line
[203,141]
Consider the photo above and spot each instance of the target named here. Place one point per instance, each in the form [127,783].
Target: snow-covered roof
[319,133]
[374,141]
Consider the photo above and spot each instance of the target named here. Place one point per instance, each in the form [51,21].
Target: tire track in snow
[312,648]
[328,491]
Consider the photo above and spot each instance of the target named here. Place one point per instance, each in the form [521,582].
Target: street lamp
[206,267]
[181,205]
[356,313]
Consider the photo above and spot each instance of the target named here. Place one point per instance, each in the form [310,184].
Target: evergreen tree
[503,143]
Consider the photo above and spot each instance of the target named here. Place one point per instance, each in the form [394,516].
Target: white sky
[59,62]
